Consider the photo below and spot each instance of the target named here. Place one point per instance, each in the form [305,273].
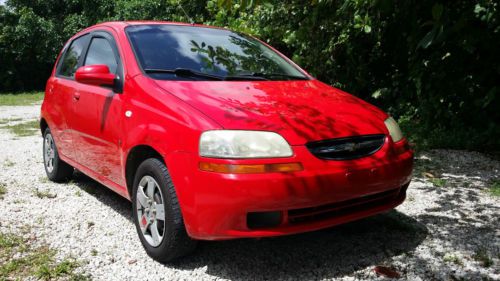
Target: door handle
[76,96]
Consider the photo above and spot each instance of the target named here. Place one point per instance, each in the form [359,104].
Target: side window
[101,52]
[72,56]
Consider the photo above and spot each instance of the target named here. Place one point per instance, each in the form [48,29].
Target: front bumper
[326,193]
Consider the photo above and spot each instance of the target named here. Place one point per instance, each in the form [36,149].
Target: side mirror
[96,74]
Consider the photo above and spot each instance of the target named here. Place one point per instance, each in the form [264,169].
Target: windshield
[196,51]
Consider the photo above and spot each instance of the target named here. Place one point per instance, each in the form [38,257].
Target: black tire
[176,243]
[60,171]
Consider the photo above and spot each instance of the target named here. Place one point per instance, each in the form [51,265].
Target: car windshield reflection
[215,52]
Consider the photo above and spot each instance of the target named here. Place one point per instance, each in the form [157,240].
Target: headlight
[394,129]
[243,144]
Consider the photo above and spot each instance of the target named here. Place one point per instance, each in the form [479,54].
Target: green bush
[434,65]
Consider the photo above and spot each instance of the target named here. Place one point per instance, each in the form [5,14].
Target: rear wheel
[157,213]
[56,169]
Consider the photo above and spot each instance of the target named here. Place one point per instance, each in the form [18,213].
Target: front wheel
[157,213]
[56,169]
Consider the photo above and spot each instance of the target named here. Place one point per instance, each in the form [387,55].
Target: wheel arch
[43,125]
[135,157]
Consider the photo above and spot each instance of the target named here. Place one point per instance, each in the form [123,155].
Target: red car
[212,134]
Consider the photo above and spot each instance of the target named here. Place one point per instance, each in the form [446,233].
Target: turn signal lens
[250,168]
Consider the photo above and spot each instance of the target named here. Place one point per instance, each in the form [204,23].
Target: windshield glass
[161,49]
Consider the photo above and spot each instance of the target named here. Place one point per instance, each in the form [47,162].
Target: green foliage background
[434,65]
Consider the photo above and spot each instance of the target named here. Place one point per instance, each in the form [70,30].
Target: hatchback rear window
[160,49]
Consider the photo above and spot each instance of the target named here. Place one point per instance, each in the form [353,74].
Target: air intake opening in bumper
[256,220]
[339,209]
[263,220]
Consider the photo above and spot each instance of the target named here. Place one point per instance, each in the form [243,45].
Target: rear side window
[101,52]
[72,56]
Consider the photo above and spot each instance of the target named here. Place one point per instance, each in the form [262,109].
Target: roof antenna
[186,14]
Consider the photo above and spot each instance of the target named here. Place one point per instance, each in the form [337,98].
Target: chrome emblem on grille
[350,146]
[347,148]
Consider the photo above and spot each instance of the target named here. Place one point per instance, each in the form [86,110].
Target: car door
[97,113]
[61,90]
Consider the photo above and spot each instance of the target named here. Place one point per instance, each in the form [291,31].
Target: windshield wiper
[271,75]
[244,77]
[193,73]
[184,72]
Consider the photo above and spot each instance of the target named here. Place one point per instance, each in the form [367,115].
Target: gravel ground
[448,228]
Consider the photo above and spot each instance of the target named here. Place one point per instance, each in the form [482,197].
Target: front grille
[346,148]
[343,208]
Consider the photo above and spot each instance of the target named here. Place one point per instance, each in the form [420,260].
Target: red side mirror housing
[96,74]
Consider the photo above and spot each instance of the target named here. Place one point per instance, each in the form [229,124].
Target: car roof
[123,24]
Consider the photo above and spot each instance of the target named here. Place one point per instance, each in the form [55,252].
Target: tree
[434,65]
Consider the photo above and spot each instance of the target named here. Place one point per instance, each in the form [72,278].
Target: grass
[24,129]
[482,257]
[8,163]
[437,182]
[5,121]
[43,179]
[452,258]
[7,242]
[47,271]
[495,188]
[3,190]
[19,261]
[24,98]
[44,194]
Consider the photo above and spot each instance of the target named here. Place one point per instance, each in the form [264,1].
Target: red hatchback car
[212,134]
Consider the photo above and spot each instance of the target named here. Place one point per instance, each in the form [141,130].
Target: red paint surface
[93,135]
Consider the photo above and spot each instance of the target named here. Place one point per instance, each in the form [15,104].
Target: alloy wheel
[151,211]
[49,153]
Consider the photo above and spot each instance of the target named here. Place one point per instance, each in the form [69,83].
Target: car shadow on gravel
[105,195]
[328,253]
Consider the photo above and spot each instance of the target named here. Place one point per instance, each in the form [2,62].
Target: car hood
[301,111]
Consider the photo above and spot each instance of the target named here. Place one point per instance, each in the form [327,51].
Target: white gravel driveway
[448,228]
